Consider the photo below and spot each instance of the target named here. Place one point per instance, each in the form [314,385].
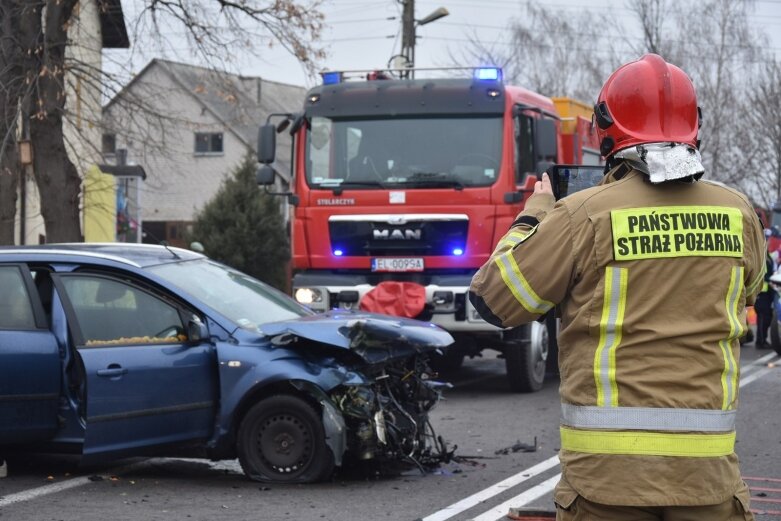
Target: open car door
[30,372]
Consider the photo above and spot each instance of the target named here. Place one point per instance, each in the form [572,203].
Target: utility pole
[408,33]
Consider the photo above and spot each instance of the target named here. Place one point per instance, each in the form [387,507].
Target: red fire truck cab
[415,181]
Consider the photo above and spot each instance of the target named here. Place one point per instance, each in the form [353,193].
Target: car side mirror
[568,179]
[197,332]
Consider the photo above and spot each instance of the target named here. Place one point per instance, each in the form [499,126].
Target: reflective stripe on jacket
[651,283]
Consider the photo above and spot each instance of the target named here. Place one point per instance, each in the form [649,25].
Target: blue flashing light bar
[488,74]
[458,251]
[331,77]
[338,253]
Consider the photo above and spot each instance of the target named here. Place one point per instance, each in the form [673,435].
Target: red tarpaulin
[400,299]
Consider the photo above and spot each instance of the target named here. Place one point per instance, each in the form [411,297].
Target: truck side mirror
[545,145]
[568,179]
[267,144]
[265,175]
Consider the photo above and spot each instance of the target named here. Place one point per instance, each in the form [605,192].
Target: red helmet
[646,101]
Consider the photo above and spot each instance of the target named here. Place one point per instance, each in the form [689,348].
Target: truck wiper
[338,189]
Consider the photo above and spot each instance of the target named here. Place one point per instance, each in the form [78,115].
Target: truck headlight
[315,298]
[309,295]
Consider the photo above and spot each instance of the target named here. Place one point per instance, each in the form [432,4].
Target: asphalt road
[479,415]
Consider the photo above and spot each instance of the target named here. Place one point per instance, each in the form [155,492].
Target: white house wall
[180,182]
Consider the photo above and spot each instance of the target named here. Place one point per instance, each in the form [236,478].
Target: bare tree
[654,19]
[35,69]
[720,51]
[10,94]
[557,54]
[762,155]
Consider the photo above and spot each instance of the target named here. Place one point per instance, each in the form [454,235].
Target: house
[95,25]
[188,127]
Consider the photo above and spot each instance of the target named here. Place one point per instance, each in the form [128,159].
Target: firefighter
[651,272]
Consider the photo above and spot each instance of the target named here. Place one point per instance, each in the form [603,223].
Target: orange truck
[402,188]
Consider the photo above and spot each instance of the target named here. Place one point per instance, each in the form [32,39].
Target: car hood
[375,338]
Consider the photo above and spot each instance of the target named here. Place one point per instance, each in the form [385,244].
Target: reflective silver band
[647,418]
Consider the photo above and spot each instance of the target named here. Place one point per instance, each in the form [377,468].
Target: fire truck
[404,186]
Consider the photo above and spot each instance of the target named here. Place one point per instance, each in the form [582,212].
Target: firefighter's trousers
[584,510]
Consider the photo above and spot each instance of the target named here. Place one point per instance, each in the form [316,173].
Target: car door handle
[112,370]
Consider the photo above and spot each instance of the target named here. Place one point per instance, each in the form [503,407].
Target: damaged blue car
[118,350]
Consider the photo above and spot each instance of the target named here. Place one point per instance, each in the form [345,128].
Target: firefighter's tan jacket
[651,284]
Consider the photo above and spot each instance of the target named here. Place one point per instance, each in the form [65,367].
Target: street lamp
[409,24]
[438,13]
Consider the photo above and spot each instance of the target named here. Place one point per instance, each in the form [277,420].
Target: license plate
[397,264]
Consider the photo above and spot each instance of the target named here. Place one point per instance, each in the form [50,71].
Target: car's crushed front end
[388,390]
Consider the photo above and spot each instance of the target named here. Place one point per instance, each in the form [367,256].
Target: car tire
[775,334]
[281,439]
[526,358]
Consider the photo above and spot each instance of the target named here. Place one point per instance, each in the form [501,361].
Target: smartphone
[569,179]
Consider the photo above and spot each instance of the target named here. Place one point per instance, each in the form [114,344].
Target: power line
[575,48]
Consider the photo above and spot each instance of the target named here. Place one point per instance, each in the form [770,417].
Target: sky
[364,34]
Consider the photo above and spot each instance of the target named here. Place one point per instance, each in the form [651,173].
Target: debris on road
[518,447]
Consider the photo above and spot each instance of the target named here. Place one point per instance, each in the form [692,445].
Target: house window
[109,145]
[208,143]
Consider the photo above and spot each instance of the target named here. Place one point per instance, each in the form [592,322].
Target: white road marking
[762,371]
[520,500]
[33,493]
[757,364]
[498,488]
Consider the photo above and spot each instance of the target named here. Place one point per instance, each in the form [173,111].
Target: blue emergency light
[458,251]
[331,77]
[488,74]
[338,253]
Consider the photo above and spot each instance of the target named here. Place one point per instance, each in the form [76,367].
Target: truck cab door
[146,385]
[30,372]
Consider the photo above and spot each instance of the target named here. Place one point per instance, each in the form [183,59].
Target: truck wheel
[281,439]
[775,335]
[552,363]
[526,358]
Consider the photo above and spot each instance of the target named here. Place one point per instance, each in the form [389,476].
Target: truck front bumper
[447,304]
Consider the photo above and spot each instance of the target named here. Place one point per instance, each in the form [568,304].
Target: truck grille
[397,235]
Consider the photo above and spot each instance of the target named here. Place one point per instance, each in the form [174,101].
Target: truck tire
[281,439]
[526,358]
[775,335]
[552,363]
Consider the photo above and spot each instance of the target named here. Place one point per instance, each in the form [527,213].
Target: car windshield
[421,152]
[246,301]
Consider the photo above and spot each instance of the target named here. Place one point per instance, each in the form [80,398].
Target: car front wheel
[281,439]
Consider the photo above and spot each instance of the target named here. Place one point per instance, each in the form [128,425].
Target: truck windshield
[420,152]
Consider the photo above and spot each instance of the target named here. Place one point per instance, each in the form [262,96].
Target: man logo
[397,235]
